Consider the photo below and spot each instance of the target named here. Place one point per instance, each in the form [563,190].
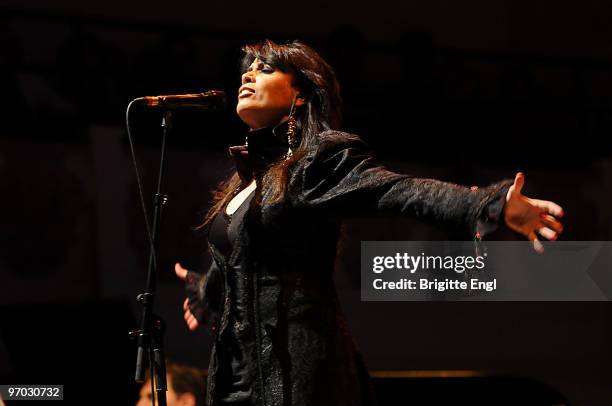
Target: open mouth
[245,92]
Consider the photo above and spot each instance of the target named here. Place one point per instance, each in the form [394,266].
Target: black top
[233,365]
[264,147]
[224,227]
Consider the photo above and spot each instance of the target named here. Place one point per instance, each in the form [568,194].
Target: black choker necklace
[263,147]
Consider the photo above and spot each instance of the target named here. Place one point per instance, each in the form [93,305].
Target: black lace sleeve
[203,292]
[341,177]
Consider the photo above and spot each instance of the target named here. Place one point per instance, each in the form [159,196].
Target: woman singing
[279,335]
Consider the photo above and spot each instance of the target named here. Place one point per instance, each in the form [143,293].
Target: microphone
[209,100]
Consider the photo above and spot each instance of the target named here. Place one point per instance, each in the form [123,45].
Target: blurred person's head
[186,387]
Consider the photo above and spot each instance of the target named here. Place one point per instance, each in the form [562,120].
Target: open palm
[531,217]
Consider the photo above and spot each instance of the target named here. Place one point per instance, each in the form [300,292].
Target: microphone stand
[150,336]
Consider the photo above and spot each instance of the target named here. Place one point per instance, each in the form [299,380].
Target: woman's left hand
[530,217]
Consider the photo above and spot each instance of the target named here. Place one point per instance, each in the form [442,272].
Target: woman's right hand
[190,319]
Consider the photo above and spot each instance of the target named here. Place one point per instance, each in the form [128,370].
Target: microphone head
[209,100]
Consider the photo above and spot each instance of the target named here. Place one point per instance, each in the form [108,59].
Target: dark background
[468,92]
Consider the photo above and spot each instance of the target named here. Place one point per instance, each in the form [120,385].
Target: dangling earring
[291,130]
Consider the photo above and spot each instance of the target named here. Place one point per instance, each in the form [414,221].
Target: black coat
[277,284]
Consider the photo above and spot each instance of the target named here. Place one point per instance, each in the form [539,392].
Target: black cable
[139,182]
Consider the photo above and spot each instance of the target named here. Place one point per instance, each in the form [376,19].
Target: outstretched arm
[341,177]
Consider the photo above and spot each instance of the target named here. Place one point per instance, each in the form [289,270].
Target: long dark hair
[322,110]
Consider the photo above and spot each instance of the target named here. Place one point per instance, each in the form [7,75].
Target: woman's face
[266,95]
